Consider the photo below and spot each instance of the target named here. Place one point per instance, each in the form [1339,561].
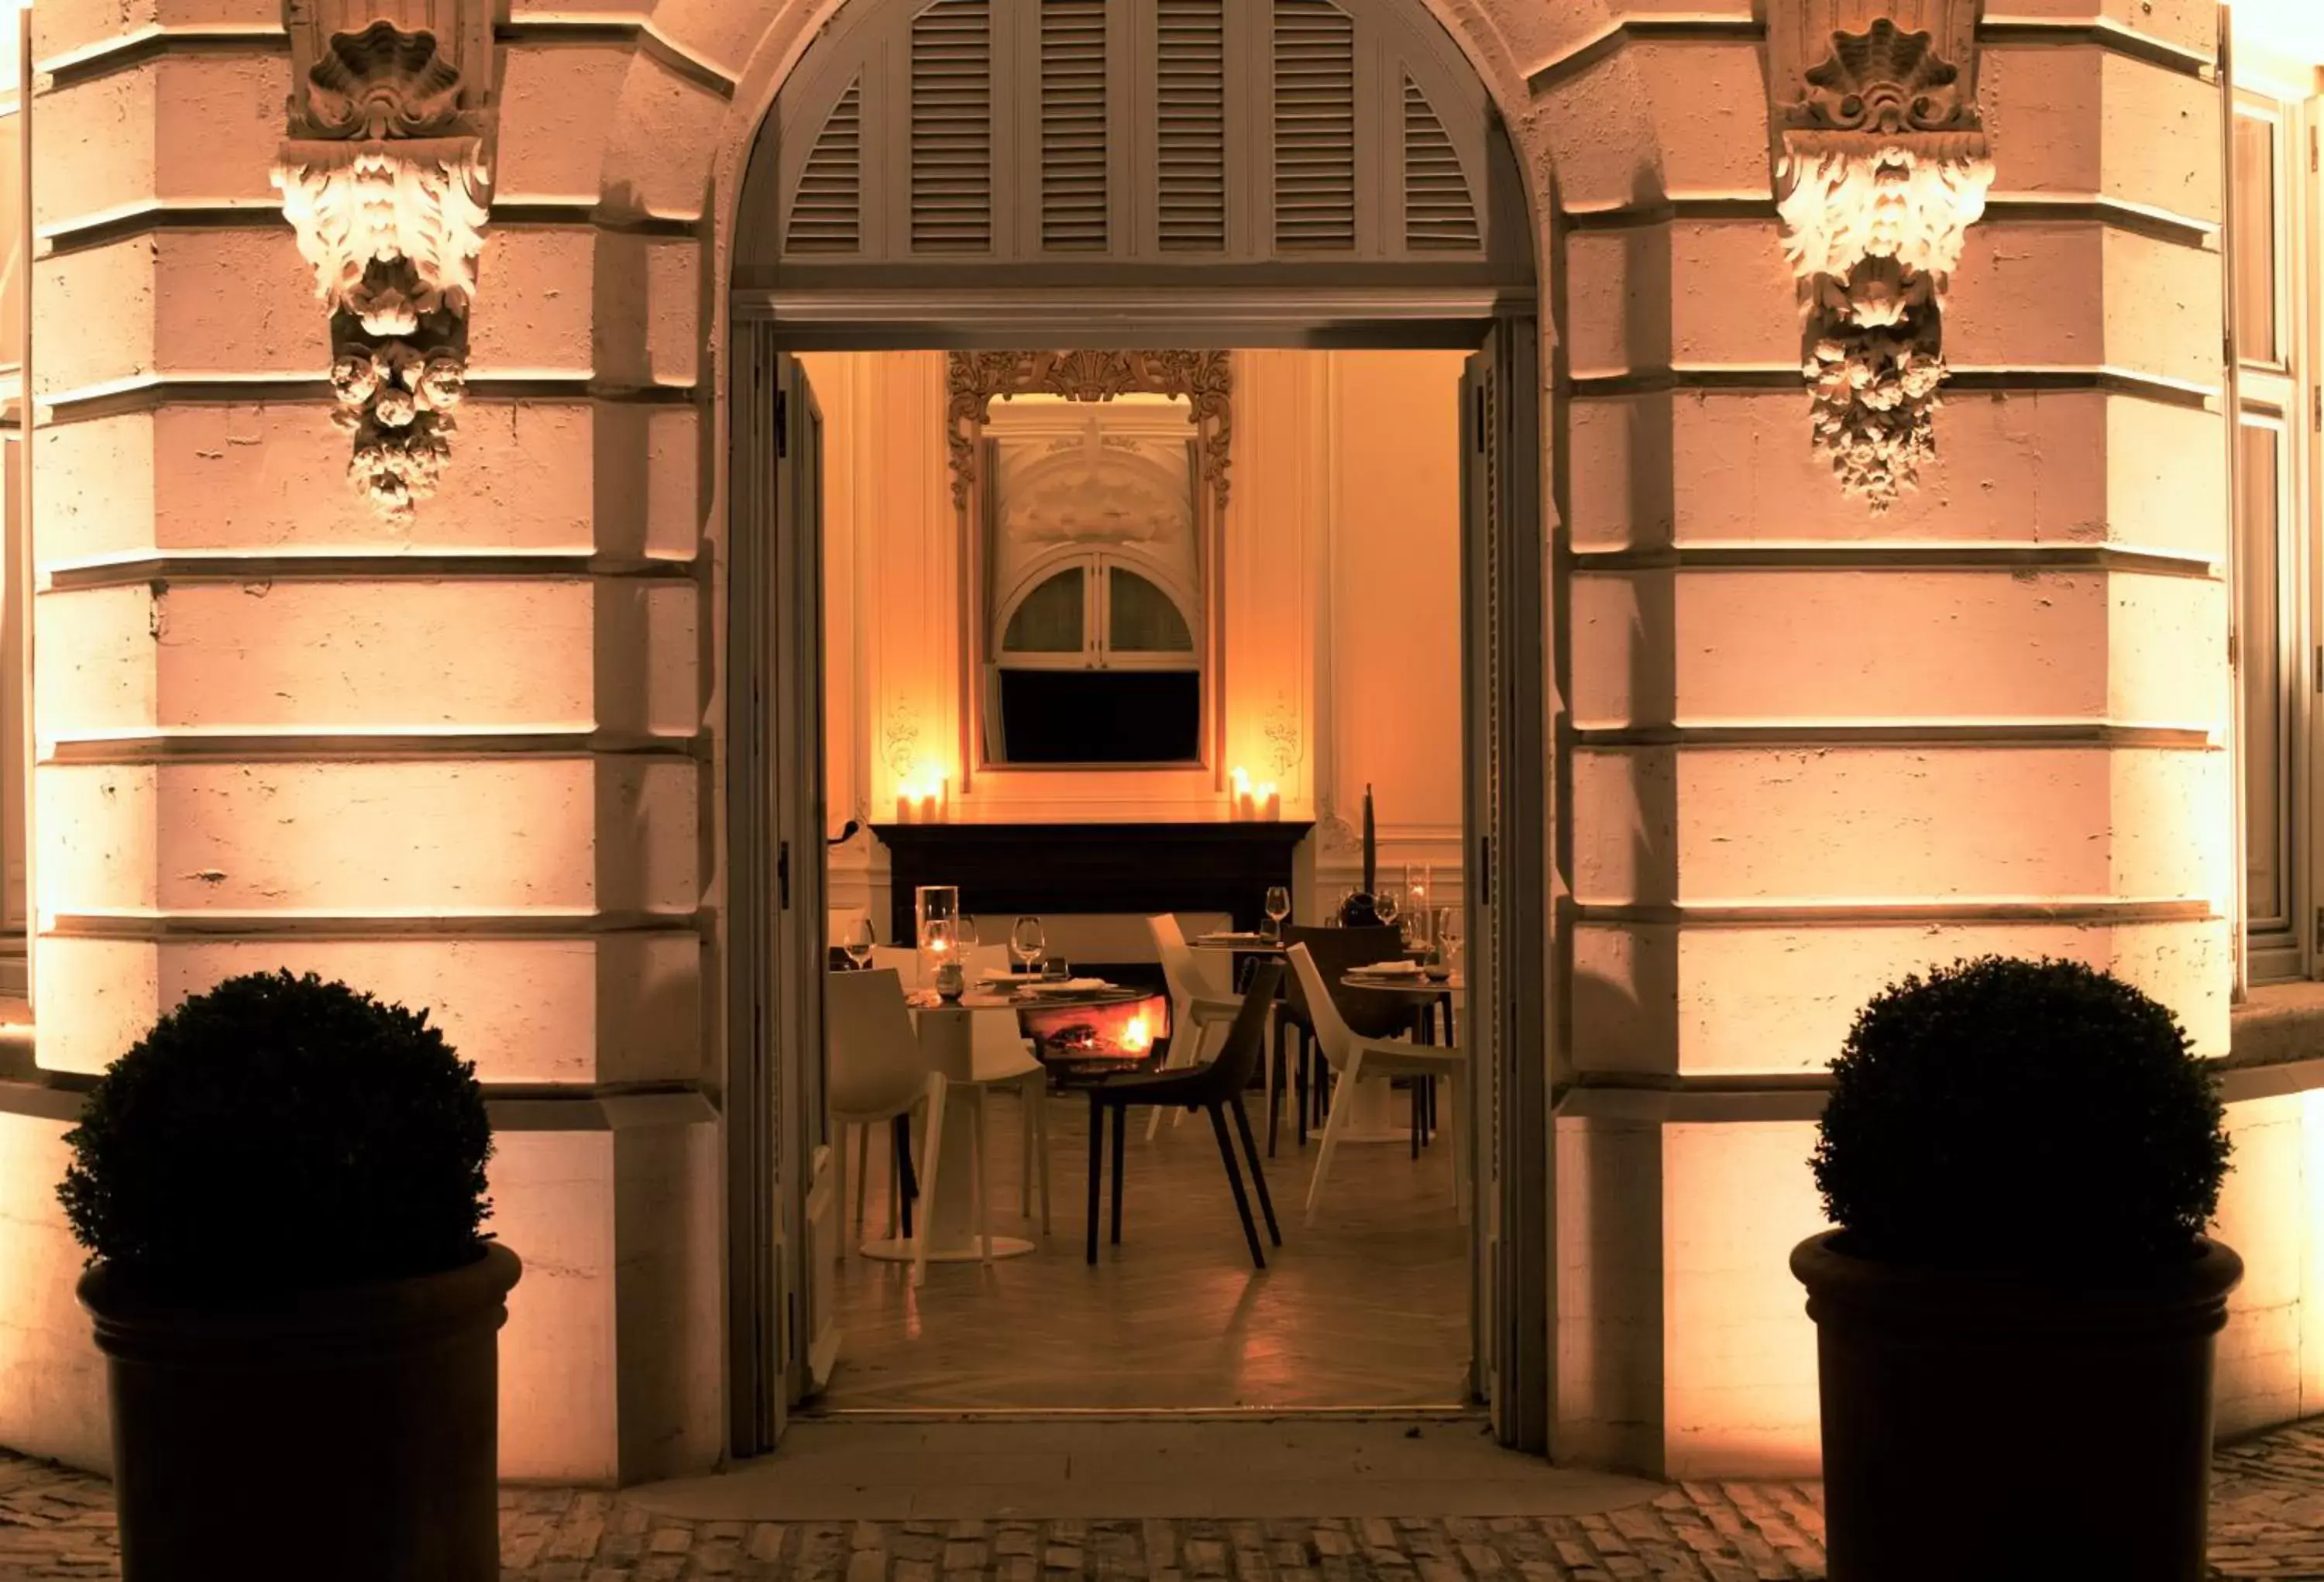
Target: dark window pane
[1102,717]
[2255,240]
[1050,620]
[2259,651]
[1142,618]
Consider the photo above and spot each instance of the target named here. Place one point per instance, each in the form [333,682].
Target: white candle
[903,806]
[927,807]
[1246,809]
[1239,802]
[1270,804]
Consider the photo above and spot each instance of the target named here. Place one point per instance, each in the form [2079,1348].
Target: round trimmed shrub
[2012,1113]
[280,1132]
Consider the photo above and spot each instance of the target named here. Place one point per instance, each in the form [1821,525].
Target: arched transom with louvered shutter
[1338,138]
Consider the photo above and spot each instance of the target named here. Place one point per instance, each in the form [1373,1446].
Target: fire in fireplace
[1124,1034]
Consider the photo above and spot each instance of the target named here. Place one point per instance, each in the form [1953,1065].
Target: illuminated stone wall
[466,758]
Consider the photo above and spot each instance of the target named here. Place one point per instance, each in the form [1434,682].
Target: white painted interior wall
[1342,610]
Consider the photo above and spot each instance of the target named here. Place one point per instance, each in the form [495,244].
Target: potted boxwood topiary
[281,1189]
[2014,1318]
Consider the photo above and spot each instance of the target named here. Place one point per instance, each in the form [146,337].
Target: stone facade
[468,752]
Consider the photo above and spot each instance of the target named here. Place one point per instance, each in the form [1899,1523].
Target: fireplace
[1087,1040]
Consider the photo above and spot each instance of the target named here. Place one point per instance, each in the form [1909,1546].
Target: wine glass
[964,931]
[1279,907]
[1448,934]
[1028,944]
[856,941]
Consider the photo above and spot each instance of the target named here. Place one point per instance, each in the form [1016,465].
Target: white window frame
[19,415]
[1097,652]
[2279,394]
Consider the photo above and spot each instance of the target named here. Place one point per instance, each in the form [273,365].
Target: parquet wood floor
[1371,1308]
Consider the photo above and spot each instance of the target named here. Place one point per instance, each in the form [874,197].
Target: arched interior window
[1141,618]
[1049,619]
[1097,662]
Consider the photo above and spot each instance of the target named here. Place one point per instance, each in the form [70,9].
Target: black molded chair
[1216,1087]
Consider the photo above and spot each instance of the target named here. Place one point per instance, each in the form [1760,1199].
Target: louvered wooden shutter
[1315,127]
[952,128]
[1191,124]
[1439,215]
[827,213]
[1074,142]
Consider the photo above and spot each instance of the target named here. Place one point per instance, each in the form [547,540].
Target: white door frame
[1114,317]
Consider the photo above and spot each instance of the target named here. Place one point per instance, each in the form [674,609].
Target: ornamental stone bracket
[1881,167]
[384,178]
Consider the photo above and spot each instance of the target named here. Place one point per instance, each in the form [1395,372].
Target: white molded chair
[877,1073]
[1001,1057]
[1196,1005]
[1353,1059]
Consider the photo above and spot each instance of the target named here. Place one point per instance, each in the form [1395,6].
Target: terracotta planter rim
[1842,1286]
[132,1317]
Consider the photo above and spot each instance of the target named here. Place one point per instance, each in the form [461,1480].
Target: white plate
[1228,938]
[1072,986]
[1386,969]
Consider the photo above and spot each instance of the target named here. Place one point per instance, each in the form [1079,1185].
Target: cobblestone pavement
[2268,1521]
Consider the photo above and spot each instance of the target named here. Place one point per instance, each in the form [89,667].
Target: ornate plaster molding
[900,740]
[1882,168]
[384,179]
[1205,380]
[1283,737]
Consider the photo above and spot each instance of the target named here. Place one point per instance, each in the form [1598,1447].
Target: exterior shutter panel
[1073,151]
[952,128]
[827,212]
[1315,127]
[1191,124]
[1439,213]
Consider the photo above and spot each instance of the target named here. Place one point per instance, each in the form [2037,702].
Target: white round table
[948,1215]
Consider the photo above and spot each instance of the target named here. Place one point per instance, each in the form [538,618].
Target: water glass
[1278,908]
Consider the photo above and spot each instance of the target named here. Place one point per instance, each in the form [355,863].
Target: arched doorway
[1097,175]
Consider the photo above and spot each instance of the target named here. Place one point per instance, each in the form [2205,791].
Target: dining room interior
[1140,669]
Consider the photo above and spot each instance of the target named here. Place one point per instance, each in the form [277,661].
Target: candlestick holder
[937,908]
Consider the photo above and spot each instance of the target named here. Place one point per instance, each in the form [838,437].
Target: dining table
[950,1217]
[1374,1119]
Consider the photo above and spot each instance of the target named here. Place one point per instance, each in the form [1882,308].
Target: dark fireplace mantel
[1113,868]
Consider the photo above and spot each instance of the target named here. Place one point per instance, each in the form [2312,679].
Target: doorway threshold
[1116,1466]
[1256,1414]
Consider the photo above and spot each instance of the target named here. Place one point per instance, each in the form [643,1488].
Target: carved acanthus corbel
[1882,168]
[384,180]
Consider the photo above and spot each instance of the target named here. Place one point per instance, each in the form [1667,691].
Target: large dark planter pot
[2009,1427]
[350,1432]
